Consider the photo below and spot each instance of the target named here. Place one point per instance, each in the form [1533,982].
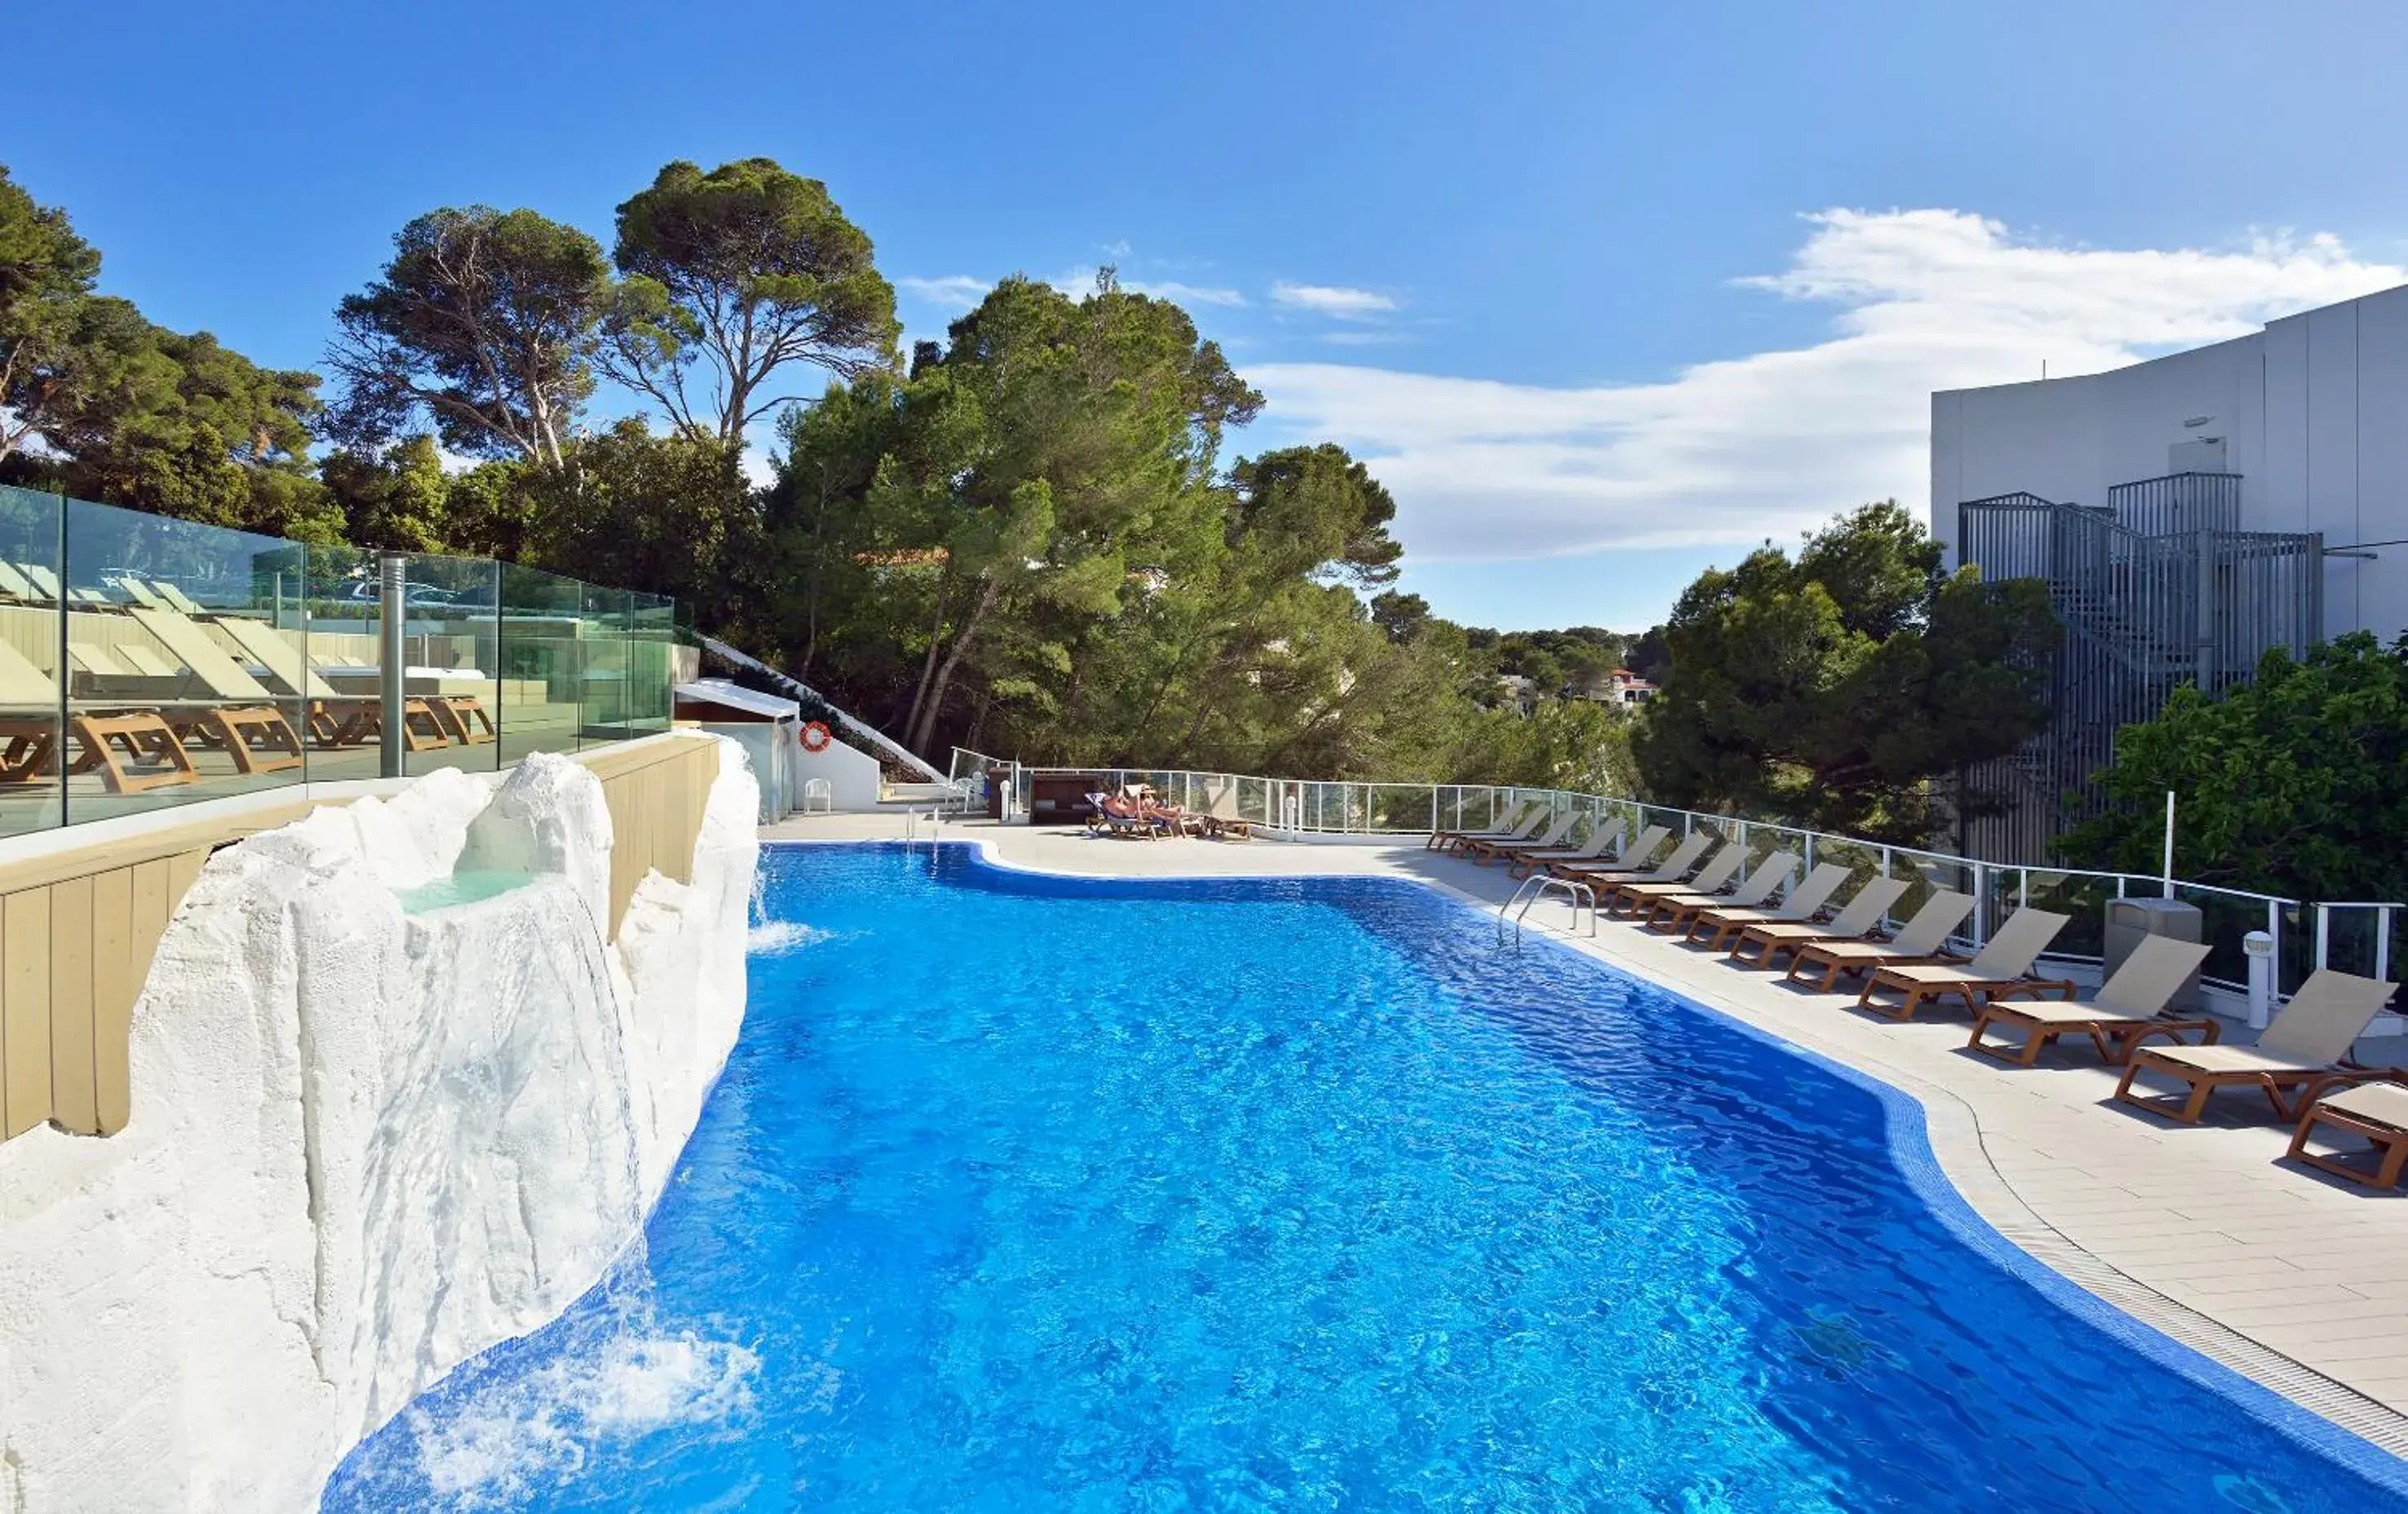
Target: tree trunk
[927,724]
[927,666]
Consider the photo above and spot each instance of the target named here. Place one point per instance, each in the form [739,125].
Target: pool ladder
[1536,886]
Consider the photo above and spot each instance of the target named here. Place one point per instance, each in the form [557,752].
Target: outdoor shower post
[392,609]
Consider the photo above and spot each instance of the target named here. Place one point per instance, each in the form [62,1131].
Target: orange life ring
[816,736]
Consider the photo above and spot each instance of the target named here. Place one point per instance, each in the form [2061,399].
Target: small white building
[2312,412]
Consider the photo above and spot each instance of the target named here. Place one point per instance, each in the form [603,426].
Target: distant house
[1619,687]
[1515,689]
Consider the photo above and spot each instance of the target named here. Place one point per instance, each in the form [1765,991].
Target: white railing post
[2324,942]
[2383,943]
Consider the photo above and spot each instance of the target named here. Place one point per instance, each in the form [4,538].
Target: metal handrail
[1574,891]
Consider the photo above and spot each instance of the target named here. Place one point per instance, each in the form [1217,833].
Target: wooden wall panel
[25,1009]
[117,975]
[73,1101]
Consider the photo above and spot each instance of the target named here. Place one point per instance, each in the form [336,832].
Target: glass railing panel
[451,641]
[540,665]
[1926,874]
[340,675]
[174,634]
[1862,860]
[652,663]
[2082,897]
[603,630]
[32,697]
[1403,807]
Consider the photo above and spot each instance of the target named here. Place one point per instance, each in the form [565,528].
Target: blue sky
[1605,291]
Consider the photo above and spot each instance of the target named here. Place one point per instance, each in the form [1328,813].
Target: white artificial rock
[366,1145]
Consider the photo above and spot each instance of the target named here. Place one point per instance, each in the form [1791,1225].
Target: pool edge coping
[1924,1124]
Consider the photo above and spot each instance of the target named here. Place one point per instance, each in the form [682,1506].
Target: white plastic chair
[822,791]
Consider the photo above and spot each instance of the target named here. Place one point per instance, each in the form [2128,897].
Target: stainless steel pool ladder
[1536,886]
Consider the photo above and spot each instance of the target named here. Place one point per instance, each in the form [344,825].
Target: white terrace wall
[366,1143]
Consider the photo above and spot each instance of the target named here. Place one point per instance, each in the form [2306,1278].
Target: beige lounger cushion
[2383,1103]
[2063,1012]
[2230,1058]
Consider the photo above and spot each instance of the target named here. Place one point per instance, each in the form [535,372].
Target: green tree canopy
[483,322]
[1833,689]
[2288,785]
[46,274]
[746,269]
[130,413]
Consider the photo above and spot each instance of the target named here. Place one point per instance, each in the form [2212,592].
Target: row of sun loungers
[180,688]
[1704,893]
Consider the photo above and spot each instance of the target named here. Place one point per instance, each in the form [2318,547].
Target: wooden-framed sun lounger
[2128,1009]
[1632,853]
[1674,912]
[2377,1113]
[462,719]
[1675,864]
[2301,1056]
[1524,821]
[1616,895]
[1484,853]
[2003,966]
[1604,839]
[248,718]
[132,749]
[1921,938]
[1862,914]
[1800,904]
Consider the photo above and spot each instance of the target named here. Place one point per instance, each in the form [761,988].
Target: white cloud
[1768,444]
[951,292]
[1332,300]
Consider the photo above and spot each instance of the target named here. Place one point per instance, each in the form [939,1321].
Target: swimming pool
[1027,1192]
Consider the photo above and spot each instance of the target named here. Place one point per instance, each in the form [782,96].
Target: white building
[2312,412]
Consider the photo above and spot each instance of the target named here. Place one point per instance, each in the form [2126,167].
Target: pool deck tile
[2295,1280]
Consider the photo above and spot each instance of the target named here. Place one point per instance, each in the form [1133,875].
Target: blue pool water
[1033,1193]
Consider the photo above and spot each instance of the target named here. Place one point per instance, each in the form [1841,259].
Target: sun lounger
[177,599]
[15,585]
[245,720]
[86,657]
[1677,864]
[1858,918]
[1674,912]
[1802,902]
[2129,1008]
[1626,855]
[1921,938]
[2377,1112]
[1124,822]
[147,664]
[136,590]
[1710,876]
[1604,839]
[1482,852]
[2304,1051]
[2003,966]
[131,749]
[337,719]
[1524,821]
